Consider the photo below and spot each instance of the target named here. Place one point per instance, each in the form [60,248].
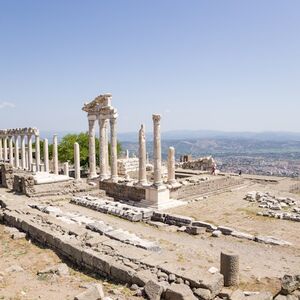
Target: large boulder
[289,284]
[94,292]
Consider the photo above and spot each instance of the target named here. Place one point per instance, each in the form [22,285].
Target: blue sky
[222,65]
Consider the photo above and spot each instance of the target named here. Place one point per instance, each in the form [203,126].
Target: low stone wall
[204,187]
[122,191]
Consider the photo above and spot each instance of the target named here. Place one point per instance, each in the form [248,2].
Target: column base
[93,175]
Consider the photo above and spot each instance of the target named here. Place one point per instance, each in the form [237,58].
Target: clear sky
[223,65]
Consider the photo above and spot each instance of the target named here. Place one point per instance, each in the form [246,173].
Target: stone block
[179,292]
[94,292]
[121,273]
[142,277]
[153,290]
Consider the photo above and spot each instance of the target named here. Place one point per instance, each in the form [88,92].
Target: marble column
[142,156]
[103,149]
[37,153]
[106,148]
[113,145]
[157,150]
[17,162]
[66,168]
[23,152]
[11,150]
[1,149]
[92,147]
[171,165]
[55,155]
[46,155]
[29,145]
[5,156]
[77,161]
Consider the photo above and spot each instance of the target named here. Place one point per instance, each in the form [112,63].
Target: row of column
[103,143]
[10,152]
[156,156]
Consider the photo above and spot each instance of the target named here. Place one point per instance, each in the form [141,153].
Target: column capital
[156,118]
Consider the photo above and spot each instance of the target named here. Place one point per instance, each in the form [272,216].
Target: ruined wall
[122,191]
[23,184]
[7,175]
[204,187]
[202,164]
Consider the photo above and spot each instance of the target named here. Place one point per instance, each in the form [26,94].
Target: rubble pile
[285,208]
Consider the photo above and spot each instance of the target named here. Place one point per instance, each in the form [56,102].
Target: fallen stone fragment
[203,294]
[271,240]
[60,270]
[194,230]
[153,290]
[216,233]
[14,268]
[142,277]
[238,295]
[226,230]
[261,296]
[209,226]
[289,284]
[243,235]
[179,292]
[18,235]
[94,292]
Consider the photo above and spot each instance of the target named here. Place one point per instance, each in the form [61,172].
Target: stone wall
[122,191]
[126,165]
[7,175]
[203,164]
[204,187]
[23,184]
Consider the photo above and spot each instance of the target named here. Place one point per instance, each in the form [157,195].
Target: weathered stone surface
[121,273]
[14,268]
[237,295]
[142,277]
[203,294]
[94,292]
[204,224]
[179,292]
[60,269]
[226,230]
[230,269]
[289,284]
[213,282]
[271,240]
[242,235]
[194,230]
[153,290]
[261,296]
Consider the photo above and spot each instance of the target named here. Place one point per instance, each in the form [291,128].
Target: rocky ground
[261,265]
[21,261]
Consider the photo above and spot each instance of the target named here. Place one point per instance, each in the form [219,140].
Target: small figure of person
[240,172]
[213,170]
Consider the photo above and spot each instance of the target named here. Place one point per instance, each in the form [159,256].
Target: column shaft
[1,149]
[77,161]
[106,124]
[5,148]
[171,165]
[113,152]
[157,150]
[17,163]
[66,168]
[23,152]
[11,150]
[92,147]
[46,155]
[29,145]
[37,153]
[55,155]
[142,156]
[102,145]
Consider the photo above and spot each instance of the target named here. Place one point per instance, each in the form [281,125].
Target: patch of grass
[250,211]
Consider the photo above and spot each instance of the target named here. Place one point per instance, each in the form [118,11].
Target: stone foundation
[204,187]
[121,191]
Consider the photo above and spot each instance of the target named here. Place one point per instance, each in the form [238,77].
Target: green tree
[66,148]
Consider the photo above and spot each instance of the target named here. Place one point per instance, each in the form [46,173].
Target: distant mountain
[186,135]
[200,134]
